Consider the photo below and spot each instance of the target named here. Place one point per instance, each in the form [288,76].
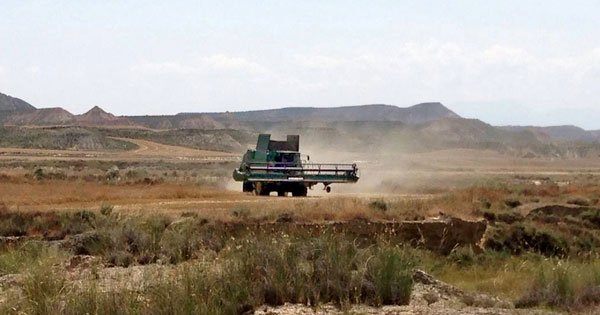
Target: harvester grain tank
[278,166]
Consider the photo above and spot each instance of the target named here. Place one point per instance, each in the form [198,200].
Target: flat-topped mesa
[278,166]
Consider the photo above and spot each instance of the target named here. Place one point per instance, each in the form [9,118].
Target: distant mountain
[560,133]
[190,121]
[12,104]
[41,117]
[179,121]
[240,120]
[411,115]
[98,117]
[449,133]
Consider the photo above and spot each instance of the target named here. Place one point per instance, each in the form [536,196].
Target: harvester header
[278,166]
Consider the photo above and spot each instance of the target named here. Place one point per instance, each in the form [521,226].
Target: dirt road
[147,150]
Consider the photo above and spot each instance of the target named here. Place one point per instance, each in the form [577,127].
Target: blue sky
[505,62]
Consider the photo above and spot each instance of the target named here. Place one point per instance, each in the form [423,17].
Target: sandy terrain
[147,150]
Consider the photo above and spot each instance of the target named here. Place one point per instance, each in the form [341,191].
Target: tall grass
[243,276]
[17,258]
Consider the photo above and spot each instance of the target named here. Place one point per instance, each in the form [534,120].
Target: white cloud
[506,55]
[452,73]
[412,72]
[231,63]
[163,67]
[219,62]
[319,61]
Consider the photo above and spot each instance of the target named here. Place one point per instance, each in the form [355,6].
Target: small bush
[392,274]
[486,204]
[463,256]
[592,216]
[379,205]
[556,290]
[519,238]
[512,203]
[38,173]
[106,209]
[120,258]
[490,216]
[112,174]
[510,217]
[240,212]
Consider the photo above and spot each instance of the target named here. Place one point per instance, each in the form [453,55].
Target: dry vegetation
[168,219]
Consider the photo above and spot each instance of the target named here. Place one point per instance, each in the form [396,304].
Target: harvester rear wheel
[300,191]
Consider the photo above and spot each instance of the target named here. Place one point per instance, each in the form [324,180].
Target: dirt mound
[558,210]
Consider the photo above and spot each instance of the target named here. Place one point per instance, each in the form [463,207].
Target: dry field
[77,222]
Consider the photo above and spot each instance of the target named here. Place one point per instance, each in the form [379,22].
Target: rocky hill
[411,115]
[60,138]
[12,104]
[41,117]
[560,133]
[376,128]
[98,117]
[450,133]
[179,121]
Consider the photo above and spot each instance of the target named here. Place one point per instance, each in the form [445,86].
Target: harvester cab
[278,166]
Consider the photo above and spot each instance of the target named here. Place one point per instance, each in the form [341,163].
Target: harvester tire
[300,191]
[281,193]
[247,186]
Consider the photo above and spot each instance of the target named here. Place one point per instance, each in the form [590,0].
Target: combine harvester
[278,166]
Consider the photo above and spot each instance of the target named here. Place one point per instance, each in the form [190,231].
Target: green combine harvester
[278,166]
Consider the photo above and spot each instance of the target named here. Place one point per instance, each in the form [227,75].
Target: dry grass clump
[19,257]
[248,274]
[49,225]
[566,285]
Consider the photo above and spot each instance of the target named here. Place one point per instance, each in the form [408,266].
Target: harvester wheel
[260,189]
[247,186]
[281,193]
[300,191]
